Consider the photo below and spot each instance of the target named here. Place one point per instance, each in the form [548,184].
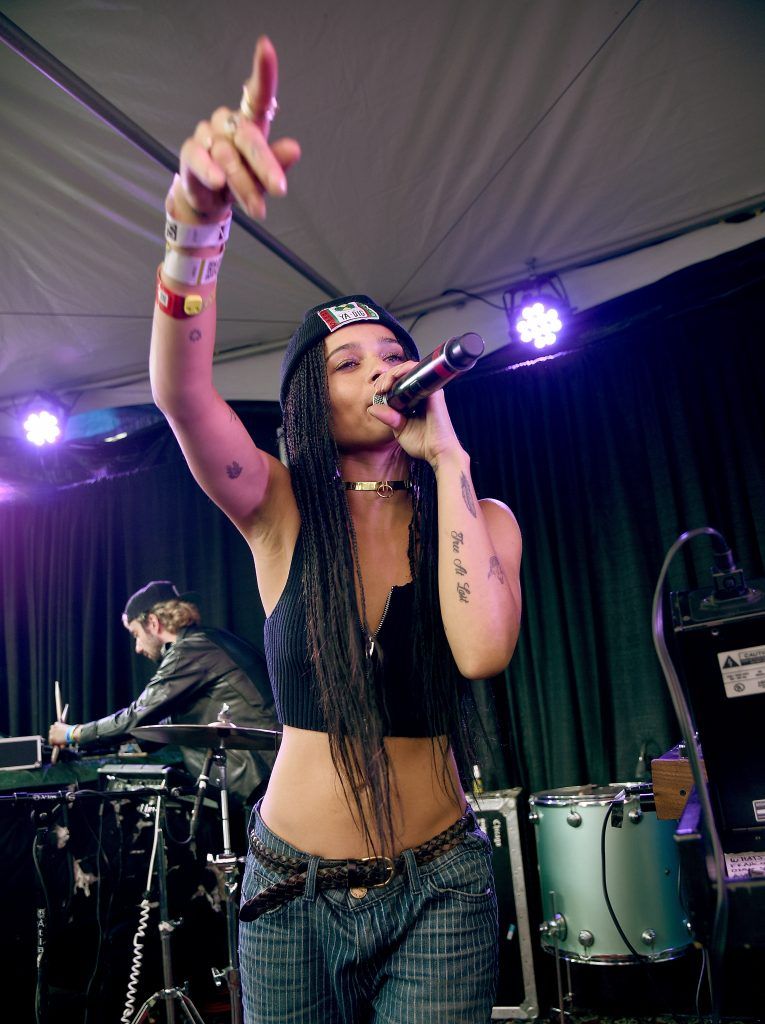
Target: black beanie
[330,316]
[144,599]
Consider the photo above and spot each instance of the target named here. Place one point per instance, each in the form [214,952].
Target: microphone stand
[170,993]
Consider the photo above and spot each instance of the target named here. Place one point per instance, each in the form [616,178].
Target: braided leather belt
[357,875]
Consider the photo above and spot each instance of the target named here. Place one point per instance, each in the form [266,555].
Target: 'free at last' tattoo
[495,569]
[467,496]
[463,589]
[457,539]
[234,470]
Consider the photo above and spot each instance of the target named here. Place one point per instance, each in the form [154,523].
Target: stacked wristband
[187,268]
[178,306]
[69,735]
[191,269]
[196,236]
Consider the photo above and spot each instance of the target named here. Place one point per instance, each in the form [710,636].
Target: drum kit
[609,875]
[216,738]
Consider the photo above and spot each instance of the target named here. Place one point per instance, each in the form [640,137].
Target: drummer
[199,669]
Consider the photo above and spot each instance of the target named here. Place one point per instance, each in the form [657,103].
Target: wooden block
[672,782]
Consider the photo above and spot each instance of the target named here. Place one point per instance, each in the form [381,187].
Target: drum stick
[59,718]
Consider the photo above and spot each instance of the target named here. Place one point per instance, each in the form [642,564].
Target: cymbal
[228,737]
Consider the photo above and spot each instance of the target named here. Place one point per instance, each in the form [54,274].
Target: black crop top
[294,683]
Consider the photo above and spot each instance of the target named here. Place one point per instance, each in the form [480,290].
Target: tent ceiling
[446,146]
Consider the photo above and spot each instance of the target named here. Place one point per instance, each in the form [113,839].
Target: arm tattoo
[195,334]
[234,470]
[463,589]
[467,496]
[495,569]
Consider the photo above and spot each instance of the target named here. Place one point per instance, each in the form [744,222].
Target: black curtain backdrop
[652,424]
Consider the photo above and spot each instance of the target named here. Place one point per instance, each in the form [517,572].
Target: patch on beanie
[347,312]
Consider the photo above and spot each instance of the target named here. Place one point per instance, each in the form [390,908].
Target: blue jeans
[420,950]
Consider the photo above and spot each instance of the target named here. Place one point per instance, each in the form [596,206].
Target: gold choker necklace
[384,488]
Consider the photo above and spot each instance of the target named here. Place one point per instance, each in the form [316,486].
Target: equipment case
[497,815]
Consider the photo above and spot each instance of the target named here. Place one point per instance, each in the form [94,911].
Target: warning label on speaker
[743,671]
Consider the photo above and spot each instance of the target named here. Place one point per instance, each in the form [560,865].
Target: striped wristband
[196,236]
[194,270]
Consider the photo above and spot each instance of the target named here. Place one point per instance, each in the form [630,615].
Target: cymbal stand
[170,993]
[227,862]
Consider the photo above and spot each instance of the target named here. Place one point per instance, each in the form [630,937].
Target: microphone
[444,363]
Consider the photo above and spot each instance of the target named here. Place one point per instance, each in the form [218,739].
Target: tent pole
[62,76]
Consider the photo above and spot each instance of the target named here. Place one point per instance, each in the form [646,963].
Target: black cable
[100,855]
[627,943]
[685,720]
[472,295]
[42,942]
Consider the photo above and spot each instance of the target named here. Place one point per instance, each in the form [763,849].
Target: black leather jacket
[201,670]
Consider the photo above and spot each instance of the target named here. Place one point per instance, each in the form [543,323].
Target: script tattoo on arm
[463,586]
[467,496]
[495,569]
[234,470]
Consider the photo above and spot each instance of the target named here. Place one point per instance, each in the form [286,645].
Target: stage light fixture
[43,420]
[536,310]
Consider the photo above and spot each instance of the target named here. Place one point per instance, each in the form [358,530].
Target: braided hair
[344,674]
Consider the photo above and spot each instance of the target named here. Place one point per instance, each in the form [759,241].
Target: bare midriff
[305,804]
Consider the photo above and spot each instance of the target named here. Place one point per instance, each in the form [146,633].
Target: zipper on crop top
[371,638]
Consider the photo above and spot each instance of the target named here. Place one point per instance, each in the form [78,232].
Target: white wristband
[197,236]
[192,269]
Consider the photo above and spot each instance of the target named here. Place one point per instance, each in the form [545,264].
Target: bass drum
[580,831]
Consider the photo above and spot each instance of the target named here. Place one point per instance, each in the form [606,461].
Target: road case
[497,815]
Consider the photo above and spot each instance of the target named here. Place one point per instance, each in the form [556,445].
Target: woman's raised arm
[228,158]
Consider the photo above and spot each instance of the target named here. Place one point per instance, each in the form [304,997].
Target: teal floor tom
[577,828]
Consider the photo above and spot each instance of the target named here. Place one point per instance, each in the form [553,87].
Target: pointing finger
[259,91]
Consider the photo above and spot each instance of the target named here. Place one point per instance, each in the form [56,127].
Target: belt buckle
[359,891]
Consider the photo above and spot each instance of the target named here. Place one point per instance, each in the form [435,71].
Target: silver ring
[248,110]
[231,126]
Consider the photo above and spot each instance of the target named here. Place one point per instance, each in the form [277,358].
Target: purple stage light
[42,428]
[539,325]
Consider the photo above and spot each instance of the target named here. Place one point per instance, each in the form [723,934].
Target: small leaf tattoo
[234,470]
[495,569]
[467,496]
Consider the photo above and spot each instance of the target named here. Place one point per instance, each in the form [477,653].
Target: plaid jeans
[420,950]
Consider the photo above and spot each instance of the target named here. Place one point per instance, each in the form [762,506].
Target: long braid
[344,675]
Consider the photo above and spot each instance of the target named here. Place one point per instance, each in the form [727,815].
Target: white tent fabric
[447,145]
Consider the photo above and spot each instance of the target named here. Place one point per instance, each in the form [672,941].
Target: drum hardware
[170,993]
[557,929]
[217,737]
[554,928]
[574,819]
